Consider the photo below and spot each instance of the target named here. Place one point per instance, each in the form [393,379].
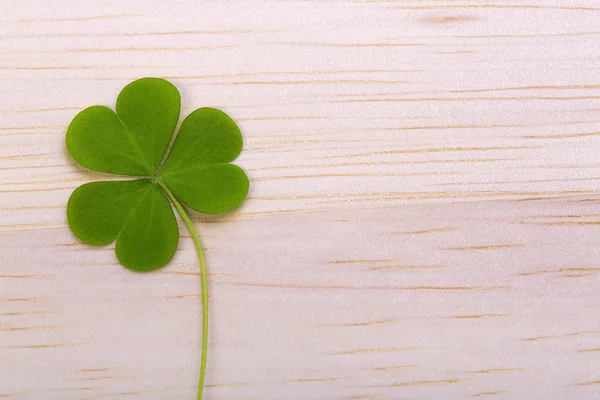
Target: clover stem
[203,276]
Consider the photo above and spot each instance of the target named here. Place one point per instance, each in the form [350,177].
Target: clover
[190,169]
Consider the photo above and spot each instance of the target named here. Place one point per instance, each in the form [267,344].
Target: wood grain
[423,222]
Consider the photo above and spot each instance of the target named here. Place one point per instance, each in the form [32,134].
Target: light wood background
[423,222]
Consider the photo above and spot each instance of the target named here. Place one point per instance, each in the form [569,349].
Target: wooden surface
[424,215]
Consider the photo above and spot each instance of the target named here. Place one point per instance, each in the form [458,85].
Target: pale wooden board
[423,222]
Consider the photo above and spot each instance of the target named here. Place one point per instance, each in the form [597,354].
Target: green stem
[203,277]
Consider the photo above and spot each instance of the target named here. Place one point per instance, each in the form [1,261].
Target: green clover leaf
[134,141]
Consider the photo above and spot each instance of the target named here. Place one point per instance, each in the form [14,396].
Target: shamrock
[134,141]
